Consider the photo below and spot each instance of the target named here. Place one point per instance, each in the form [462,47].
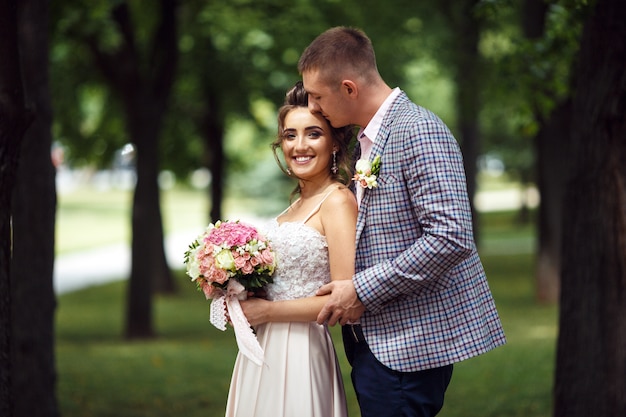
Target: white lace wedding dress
[301,376]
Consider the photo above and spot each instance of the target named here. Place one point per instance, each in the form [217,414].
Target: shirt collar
[372,128]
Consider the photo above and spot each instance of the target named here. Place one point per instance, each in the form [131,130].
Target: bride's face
[307,144]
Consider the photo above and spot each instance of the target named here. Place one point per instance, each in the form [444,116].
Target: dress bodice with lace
[302,260]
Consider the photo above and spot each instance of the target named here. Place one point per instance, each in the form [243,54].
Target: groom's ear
[349,88]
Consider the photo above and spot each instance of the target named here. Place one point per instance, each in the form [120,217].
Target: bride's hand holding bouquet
[226,262]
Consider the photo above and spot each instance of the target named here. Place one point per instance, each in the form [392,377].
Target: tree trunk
[468,107]
[148,260]
[144,87]
[467,63]
[14,120]
[553,150]
[591,357]
[34,210]
[213,130]
[146,105]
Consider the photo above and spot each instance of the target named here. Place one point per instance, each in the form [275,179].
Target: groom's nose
[314,107]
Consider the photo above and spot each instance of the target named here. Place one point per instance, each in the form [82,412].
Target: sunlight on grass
[106,215]
[514,380]
[87,219]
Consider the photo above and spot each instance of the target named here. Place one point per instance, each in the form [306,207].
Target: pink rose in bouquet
[230,250]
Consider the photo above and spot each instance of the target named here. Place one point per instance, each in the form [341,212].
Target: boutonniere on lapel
[367,172]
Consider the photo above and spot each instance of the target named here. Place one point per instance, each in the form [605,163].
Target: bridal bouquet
[226,261]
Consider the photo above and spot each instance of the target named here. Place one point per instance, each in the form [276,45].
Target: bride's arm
[259,311]
[339,213]
[338,217]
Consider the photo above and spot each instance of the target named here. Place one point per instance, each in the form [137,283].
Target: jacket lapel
[379,146]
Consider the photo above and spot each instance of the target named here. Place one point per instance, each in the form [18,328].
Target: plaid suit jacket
[418,273]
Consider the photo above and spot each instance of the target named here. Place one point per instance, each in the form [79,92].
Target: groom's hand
[343,306]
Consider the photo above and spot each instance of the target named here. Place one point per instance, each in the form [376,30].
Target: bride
[314,242]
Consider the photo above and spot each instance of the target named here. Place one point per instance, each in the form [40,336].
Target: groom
[419,300]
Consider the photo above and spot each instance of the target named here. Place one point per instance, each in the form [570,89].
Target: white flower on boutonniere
[367,173]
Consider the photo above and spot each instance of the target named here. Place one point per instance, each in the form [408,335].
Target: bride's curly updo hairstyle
[342,136]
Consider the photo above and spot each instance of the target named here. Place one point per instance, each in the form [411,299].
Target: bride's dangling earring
[334,168]
[289,171]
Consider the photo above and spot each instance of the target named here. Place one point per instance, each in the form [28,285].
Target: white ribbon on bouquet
[246,339]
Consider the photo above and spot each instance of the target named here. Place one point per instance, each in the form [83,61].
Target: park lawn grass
[514,380]
[185,371]
[182,372]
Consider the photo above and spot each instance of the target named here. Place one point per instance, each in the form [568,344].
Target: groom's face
[324,99]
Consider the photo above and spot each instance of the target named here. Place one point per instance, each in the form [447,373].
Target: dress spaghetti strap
[316,208]
[288,207]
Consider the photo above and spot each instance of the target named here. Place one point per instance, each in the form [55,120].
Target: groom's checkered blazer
[418,273]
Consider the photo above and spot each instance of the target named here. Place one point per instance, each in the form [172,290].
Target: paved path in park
[97,266]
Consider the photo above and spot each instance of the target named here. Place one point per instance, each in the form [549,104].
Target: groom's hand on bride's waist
[343,305]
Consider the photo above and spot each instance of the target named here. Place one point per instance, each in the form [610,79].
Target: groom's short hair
[340,52]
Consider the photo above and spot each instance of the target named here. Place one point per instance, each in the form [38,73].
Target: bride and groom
[410,291]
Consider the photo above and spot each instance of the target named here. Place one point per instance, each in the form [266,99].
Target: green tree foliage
[531,49]
[528,77]
[237,60]
[88,118]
